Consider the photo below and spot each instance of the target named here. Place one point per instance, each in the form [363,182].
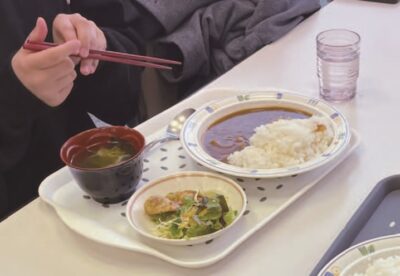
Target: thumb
[39,33]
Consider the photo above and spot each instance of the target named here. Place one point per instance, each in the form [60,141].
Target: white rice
[284,143]
[389,266]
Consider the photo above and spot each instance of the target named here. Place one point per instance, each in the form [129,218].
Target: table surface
[34,241]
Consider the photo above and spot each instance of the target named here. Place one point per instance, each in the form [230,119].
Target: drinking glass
[338,56]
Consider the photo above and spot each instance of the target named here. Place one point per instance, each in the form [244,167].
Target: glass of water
[338,56]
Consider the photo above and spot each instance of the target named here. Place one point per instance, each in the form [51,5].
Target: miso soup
[106,154]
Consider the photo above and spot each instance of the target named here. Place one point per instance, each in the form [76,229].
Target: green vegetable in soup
[102,155]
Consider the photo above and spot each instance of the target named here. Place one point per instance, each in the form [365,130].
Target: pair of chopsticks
[131,59]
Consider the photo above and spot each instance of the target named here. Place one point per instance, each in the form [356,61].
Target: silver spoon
[173,130]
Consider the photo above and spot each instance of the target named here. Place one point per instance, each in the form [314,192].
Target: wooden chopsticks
[131,59]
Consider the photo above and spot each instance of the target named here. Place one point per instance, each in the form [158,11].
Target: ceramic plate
[357,258]
[204,117]
[196,181]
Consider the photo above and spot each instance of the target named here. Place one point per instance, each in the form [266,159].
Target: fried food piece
[179,196]
[155,205]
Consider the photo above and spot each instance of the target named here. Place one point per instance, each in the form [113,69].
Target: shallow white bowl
[201,181]
[361,265]
[357,258]
[197,124]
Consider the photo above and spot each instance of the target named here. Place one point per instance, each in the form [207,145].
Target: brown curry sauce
[232,132]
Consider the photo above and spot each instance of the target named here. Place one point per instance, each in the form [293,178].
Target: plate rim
[276,95]
[352,249]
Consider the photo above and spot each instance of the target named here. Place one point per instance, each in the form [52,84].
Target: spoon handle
[153,143]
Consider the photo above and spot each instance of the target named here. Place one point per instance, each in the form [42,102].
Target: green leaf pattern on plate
[365,250]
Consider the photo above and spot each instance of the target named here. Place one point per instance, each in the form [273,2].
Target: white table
[35,241]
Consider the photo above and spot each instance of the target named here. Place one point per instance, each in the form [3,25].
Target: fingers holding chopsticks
[49,74]
[53,56]
[68,27]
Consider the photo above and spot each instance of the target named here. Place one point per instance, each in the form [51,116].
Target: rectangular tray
[107,224]
[377,216]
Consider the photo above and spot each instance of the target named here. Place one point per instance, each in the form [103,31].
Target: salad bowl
[201,183]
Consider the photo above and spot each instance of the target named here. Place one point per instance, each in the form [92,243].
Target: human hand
[68,27]
[48,74]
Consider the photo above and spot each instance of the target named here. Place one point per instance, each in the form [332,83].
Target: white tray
[107,224]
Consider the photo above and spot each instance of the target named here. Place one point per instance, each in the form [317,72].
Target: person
[45,96]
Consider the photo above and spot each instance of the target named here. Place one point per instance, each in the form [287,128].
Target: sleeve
[113,92]
[18,110]
[3,199]
[172,13]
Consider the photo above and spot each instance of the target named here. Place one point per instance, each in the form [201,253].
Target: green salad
[188,213]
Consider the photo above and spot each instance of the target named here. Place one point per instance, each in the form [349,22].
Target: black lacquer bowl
[110,184]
